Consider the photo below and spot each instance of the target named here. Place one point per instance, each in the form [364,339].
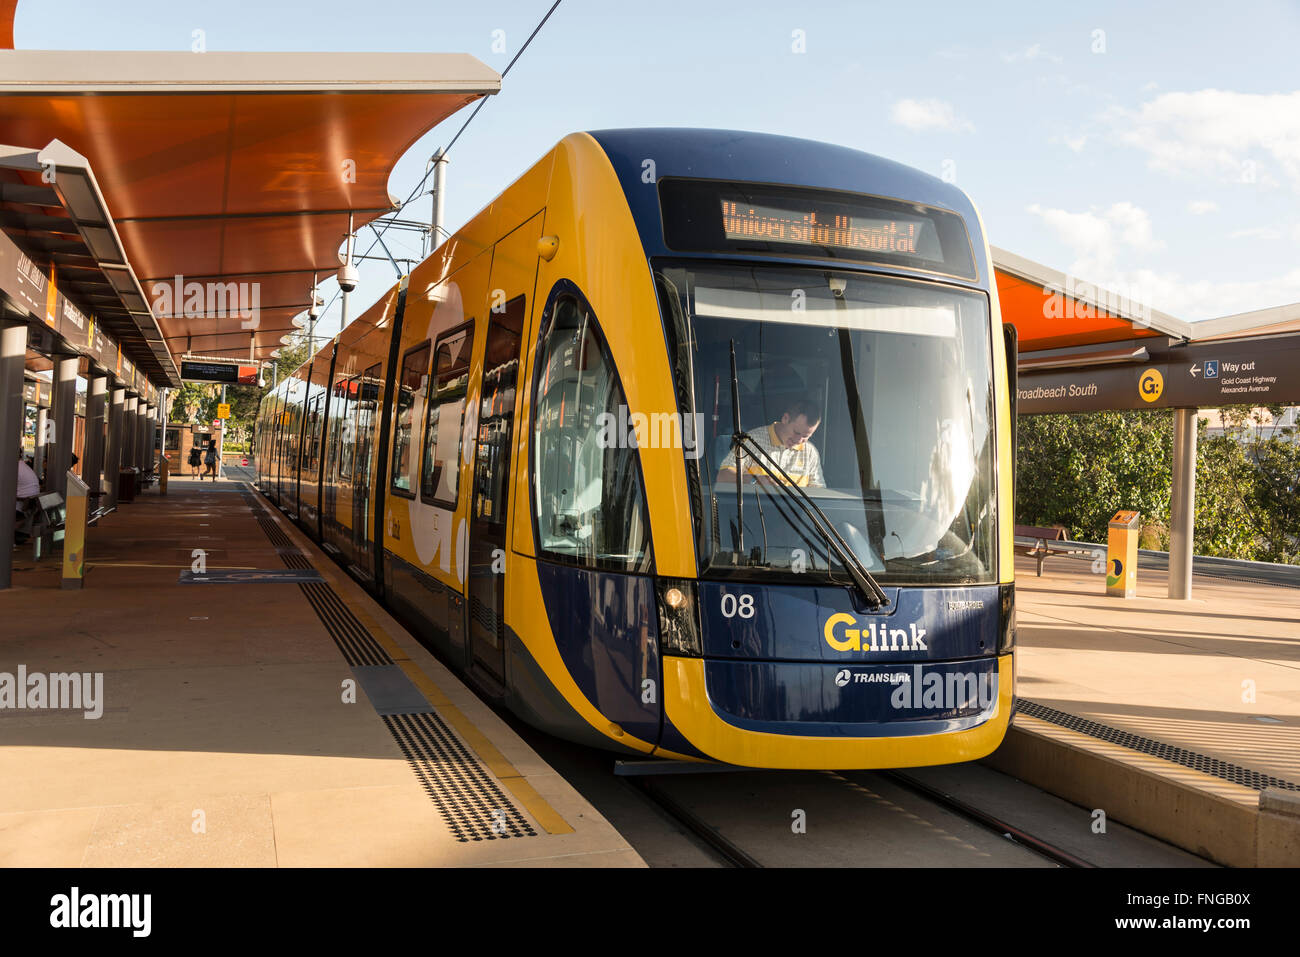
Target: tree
[292,356]
[194,402]
[1077,470]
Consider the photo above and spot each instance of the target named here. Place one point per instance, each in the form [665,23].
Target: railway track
[987,820]
[730,852]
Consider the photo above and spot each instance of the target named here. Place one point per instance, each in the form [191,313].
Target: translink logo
[873,638]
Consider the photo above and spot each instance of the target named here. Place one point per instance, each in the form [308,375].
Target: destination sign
[218,372]
[806,227]
[715,216]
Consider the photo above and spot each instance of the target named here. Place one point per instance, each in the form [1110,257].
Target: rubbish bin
[126,485]
[1122,555]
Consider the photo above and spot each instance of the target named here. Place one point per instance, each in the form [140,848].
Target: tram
[692,444]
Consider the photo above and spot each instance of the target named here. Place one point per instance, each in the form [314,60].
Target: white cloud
[1105,243]
[1099,237]
[922,115]
[1035,52]
[1075,143]
[1199,207]
[1234,136]
[1266,232]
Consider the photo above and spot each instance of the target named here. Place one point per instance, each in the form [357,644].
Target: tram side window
[587,489]
[410,393]
[347,434]
[445,417]
[370,397]
[311,453]
[497,412]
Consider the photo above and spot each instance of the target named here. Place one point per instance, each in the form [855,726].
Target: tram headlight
[679,620]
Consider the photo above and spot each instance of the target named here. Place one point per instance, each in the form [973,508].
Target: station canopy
[1084,348]
[235,172]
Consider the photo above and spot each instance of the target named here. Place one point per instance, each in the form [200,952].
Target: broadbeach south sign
[1198,376]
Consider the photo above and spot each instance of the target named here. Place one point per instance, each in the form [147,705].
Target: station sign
[225,372]
[22,280]
[1206,375]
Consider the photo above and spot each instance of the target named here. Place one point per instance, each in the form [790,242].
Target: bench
[45,521]
[1038,542]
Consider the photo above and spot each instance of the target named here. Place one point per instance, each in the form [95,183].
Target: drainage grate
[470,801]
[1256,780]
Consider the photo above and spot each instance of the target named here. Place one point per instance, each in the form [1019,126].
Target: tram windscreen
[874,395]
[713,216]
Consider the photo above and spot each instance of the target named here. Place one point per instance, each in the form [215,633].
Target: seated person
[786,441]
[29,491]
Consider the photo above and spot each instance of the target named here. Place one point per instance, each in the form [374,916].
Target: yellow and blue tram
[559,450]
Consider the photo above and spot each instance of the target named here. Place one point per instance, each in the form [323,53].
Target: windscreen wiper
[871,591]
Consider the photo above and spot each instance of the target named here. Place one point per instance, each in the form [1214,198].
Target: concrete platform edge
[1213,818]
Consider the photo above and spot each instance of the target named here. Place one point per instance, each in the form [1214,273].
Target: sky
[1153,148]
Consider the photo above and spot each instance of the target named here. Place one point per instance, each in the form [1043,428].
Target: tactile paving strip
[469,800]
[356,644]
[1214,767]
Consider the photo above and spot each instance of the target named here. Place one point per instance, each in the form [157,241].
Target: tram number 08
[733,605]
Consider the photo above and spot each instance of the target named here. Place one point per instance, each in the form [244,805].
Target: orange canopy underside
[1054,320]
[246,188]
[7,10]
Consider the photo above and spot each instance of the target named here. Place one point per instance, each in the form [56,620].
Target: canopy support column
[1182,518]
[113,448]
[42,430]
[13,352]
[59,455]
[93,466]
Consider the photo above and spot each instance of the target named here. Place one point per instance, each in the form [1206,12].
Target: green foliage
[1224,518]
[195,402]
[291,357]
[1077,470]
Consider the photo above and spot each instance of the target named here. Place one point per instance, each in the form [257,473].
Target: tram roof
[230,167]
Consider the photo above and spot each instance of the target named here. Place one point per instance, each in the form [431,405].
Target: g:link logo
[1151,385]
[876,637]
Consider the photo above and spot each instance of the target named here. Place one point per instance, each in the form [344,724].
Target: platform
[256,724]
[1174,715]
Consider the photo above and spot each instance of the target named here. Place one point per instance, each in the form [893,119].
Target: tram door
[367,424]
[514,269]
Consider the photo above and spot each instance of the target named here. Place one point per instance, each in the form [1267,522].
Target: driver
[786,441]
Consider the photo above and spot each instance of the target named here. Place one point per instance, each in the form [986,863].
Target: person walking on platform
[196,459]
[210,460]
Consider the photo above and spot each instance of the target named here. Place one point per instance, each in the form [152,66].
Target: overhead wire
[425,178]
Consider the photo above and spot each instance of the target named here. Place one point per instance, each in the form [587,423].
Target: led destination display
[713,216]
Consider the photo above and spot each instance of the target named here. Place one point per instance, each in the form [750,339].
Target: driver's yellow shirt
[801,462]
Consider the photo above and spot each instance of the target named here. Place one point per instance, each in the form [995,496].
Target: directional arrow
[1196,367]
